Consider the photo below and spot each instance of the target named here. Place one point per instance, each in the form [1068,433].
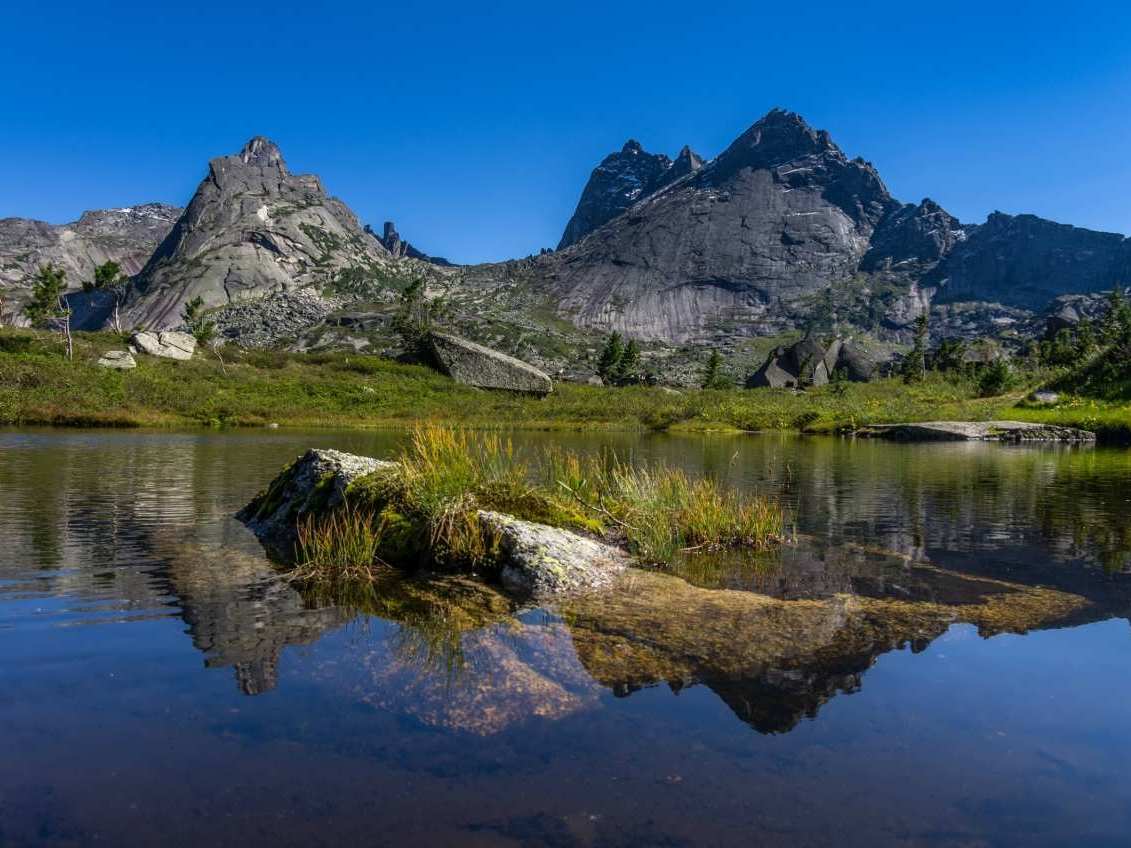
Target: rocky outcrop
[399,248]
[810,362]
[976,431]
[127,236]
[475,365]
[621,180]
[273,318]
[539,560]
[118,360]
[251,229]
[168,345]
[746,239]
[1026,261]
[315,482]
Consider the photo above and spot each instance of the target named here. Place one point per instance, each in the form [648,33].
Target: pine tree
[713,378]
[915,363]
[108,277]
[48,302]
[629,366]
[609,363]
[193,315]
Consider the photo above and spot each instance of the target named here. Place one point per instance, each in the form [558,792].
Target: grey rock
[977,431]
[265,321]
[1045,397]
[399,249]
[127,236]
[252,229]
[621,180]
[540,560]
[316,481]
[475,365]
[168,345]
[810,362]
[120,360]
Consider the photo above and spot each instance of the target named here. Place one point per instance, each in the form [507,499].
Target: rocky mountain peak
[262,152]
[632,146]
[777,138]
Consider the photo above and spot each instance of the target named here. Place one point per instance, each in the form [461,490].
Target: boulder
[475,365]
[812,363]
[120,360]
[539,560]
[314,482]
[169,344]
[1044,396]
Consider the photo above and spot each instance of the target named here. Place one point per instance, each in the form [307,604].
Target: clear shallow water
[941,659]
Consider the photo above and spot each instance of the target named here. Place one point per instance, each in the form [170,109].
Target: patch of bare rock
[977,431]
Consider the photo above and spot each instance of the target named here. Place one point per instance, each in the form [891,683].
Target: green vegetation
[416,317]
[713,376]
[619,363]
[424,510]
[197,322]
[48,304]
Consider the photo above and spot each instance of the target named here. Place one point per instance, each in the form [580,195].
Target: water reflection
[894,544]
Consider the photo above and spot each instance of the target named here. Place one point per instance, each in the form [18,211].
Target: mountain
[251,229]
[753,241]
[619,181]
[399,248]
[781,214]
[127,236]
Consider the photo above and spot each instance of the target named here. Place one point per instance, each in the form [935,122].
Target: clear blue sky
[475,125]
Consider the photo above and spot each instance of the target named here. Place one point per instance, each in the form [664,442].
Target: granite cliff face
[127,236]
[251,229]
[779,215]
[746,244]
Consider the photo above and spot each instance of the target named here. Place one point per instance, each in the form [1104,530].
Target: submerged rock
[977,431]
[169,344]
[540,560]
[313,483]
[475,365]
[120,360]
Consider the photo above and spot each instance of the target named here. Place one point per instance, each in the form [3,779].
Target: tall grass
[425,510]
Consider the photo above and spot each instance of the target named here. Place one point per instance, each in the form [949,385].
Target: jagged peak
[262,152]
[632,146]
[690,157]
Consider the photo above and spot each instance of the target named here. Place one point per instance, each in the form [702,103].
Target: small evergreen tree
[198,324]
[915,363]
[48,303]
[611,355]
[416,318]
[713,377]
[628,369]
[109,277]
[996,378]
[950,356]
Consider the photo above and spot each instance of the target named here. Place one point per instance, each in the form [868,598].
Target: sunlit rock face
[251,229]
[127,236]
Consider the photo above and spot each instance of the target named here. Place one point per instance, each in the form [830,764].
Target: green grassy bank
[249,388]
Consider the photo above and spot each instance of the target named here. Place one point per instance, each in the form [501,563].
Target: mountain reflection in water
[895,546]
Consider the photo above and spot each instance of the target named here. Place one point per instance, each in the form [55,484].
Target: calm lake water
[941,658]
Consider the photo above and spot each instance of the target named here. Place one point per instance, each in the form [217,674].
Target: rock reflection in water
[462,658]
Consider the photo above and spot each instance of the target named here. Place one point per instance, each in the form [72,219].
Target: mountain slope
[127,236]
[619,181]
[252,229]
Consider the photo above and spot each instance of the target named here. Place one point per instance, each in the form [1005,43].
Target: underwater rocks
[475,365]
[540,560]
[313,483]
[977,431]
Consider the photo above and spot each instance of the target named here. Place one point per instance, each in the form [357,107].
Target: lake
[939,657]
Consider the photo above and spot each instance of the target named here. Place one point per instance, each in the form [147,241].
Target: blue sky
[475,126]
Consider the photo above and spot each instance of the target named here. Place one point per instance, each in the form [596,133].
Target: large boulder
[475,365]
[540,560]
[169,344]
[315,482]
[810,362]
